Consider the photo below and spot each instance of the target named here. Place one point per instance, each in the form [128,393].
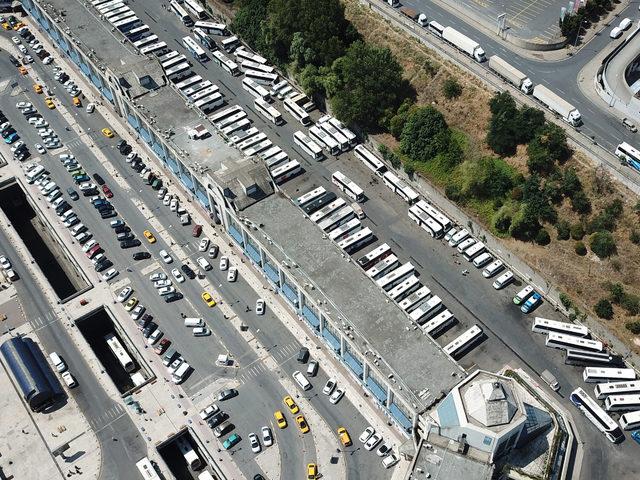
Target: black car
[73,194]
[103,264]
[217,419]
[123,237]
[29,116]
[141,166]
[109,214]
[141,255]
[126,149]
[63,207]
[144,321]
[99,180]
[14,61]
[148,330]
[227,394]
[130,243]
[121,229]
[186,269]
[172,297]
[105,208]
[90,193]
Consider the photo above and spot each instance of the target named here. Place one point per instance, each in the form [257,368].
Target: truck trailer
[553,102]
[510,74]
[410,13]
[464,44]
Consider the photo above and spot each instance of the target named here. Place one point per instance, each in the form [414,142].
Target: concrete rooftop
[444,464]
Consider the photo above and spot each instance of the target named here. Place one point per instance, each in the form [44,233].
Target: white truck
[464,43]
[510,74]
[553,102]
[548,377]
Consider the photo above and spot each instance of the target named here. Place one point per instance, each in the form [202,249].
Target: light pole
[582,22]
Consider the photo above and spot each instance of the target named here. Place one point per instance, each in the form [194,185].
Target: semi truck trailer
[553,102]
[510,74]
[464,43]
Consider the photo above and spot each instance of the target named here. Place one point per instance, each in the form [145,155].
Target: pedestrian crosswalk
[285,352]
[76,142]
[106,417]
[253,371]
[42,320]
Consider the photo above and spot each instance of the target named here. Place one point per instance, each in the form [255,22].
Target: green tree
[425,134]
[570,182]
[539,161]
[525,224]
[633,326]
[603,244]
[577,231]
[580,203]
[503,135]
[543,237]
[396,124]
[603,309]
[249,23]
[451,88]
[631,303]
[487,177]
[564,230]
[529,120]
[409,169]
[580,249]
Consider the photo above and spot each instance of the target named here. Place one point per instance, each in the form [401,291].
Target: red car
[107,191]
[197,230]
[162,346]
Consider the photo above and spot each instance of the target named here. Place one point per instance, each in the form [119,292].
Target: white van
[193,322]
[358,210]
[34,174]
[482,259]
[301,380]
[78,229]
[202,262]
[466,244]
[493,268]
[57,362]
[503,280]
[179,374]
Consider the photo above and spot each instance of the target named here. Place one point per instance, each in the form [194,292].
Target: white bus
[138,44]
[586,359]
[194,7]
[282,173]
[112,13]
[307,145]
[464,342]
[599,375]
[630,420]
[395,277]
[473,251]
[193,90]
[603,390]
[424,311]
[344,230]
[270,112]
[190,456]
[135,33]
[415,299]
[297,112]
[544,325]
[204,39]
[188,82]
[335,134]
[439,323]
[570,342]
[196,50]
[372,162]
[225,63]
[145,467]
[347,186]
[199,94]
[178,72]
[382,267]
[249,65]
[155,48]
[227,112]
[308,197]
[374,256]
[258,91]
[181,13]
[435,214]
[351,137]
[242,54]
[210,102]
[278,159]
[337,218]
[235,126]
[169,60]
[327,210]
[272,152]
[322,138]
[404,288]
[251,141]
[256,149]
[101,6]
[263,78]
[236,117]
[400,188]
[629,154]
[427,223]
[169,56]
[602,421]
[356,241]
[229,44]
[127,24]
[622,402]
[211,27]
[119,352]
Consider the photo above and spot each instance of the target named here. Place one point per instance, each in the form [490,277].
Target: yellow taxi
[280,420]
[131,304]
[22,70]
[302,424]
[344,437]
[37,88]
[107,132]
[208,299]
[149,236]
[291,405]
[49,103]
[6,26]
[18,25]
[77,102]
[312,471]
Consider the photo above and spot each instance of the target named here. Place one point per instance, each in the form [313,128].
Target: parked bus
[194,7]
[427,223]
[249,65]
[400,188]
[270,112]
[205,92]
[630,420]
[196,50]
[155,48]
[309,147]
[372,162]
[119,352]
[425,310]
[374,256]
[284,172]
[227,112]
[415,299]
[322,138]
[382,267]
[190,456]
[395,277]
[599,374]
[257,91]
[170,60]
[210,102]
[229,44]
[189,82]
[319,202]
[127,24]
[570,342]
[138,44]
[204,39]
[181,13]
[196,89]
[350,136]
[464,342]
[439,323]
[544,326]
[343,231]
[404,288]
[136,33]
[300,115]
[251,141]
[596,415]
[336,135]
[327,210]
[243,54]
[273,151]
[603,390]
[356,241]
[347,186]
[145,467]
[115,13]
[235,126]
[259,147]
[212,28]
[308,197]
[435,214]
[585,359]
[263,78]
[617,403]
[458,238]
[225,63]
[336,219]
[178,72]
[629,154]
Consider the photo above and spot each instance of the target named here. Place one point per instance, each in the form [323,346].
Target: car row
[49,138]
[5,265]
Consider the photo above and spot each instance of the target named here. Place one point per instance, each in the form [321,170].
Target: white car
[329,386]
[375,439]
[155,336]
[166,258]
[616,32]
[87,246]
[254,442]
[210,411]
[22,49]
[27,59]
[232,274]
[384,450]
[137,312]
[390,461]
[167,199]
[204,244]
[203,264]
[367,434]
[336,395]
[40,149]
[162,191]
[260,306]
[162,283]
[5,263]
[267,438]
[177,275]
[16,40]
[23,105]
[48,60]
[13,276]
[158,276]
[87,186]
[83,237]
[166,291]
[69,380]
[109,274]
[224,263]
[90,107]
[625,23]
[173,206]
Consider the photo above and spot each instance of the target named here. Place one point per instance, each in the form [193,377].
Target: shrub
[543,237]
[616,292]
[604,309]
[565,301]
[452,192]
[564,230]
[451,88]
[580,203]
[634,237]
[409,169]
[580,249]
[633,326]
[631,303]
[602,244]
[577,231]
[395,160]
